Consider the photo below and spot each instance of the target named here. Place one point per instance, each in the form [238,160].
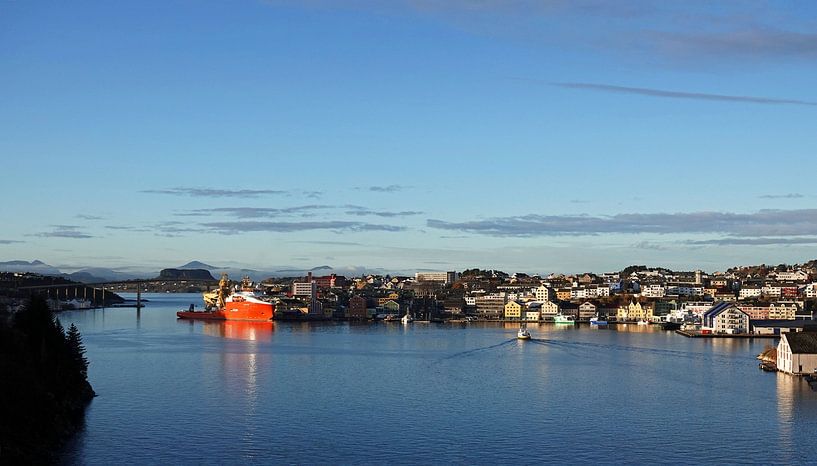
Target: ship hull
[200,315]
[246,311]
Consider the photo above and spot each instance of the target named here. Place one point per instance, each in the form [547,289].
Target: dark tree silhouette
[76,350]
[44,387]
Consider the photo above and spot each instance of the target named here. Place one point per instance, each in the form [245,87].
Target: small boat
[563,319]
[768,366]
[597,321]
[643,322]
[670,326]
[523,333]
[407,318]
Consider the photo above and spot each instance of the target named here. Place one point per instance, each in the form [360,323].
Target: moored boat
[670,325]
[238,305]
[597,321]
[563,319]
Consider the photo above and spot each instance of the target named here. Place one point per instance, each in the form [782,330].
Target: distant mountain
[348,271]
[100,274]
[84,275]
[185,274]
[198,265]
[35,266]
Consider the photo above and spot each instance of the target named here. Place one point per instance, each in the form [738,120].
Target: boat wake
[476,350]
[554,344]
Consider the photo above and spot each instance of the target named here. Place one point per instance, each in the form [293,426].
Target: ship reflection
[240,330]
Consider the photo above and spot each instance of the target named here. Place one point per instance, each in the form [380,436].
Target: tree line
[44,386]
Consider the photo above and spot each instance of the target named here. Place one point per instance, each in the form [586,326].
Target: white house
[797,352]
[549,309]
[653,291]
[749,291]
[725,317]
[796,276]
[543,293]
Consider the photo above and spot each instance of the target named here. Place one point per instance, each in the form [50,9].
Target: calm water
[179,392]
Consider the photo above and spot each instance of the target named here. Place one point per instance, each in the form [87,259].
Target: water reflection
[239,330]
[786,387]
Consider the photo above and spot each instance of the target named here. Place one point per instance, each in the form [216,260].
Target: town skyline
[413,135]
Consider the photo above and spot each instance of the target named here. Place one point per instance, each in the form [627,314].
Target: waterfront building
[532,312]
[797,352]
[454,305]
[513,310]
[696,308]
[776,327]
[587,310]
[490,306]
[391,307]
[570,309]
[634,312]
[549,309]
[811,290]
[725,317]
[357,308]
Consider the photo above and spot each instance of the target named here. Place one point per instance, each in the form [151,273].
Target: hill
[185,274]
[198,265]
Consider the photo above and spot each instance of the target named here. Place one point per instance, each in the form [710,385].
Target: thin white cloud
[682,94]
[231,228]
[215,193]
[782,196]
[762,223]
[64,231]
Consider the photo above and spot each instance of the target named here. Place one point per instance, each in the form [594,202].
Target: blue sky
[532,136]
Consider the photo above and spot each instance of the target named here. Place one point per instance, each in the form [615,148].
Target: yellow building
[634,312]
[513,310]
[782,311]
[390,297]
[563,294]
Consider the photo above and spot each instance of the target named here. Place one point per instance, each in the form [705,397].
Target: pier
[689,334]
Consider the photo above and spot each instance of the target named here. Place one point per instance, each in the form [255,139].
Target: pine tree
[77,350]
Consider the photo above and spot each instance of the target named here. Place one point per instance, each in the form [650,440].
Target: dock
[689,334]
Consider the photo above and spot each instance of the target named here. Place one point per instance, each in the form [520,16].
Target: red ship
[239,305]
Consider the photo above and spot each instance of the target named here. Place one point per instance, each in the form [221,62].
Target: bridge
[98,289]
